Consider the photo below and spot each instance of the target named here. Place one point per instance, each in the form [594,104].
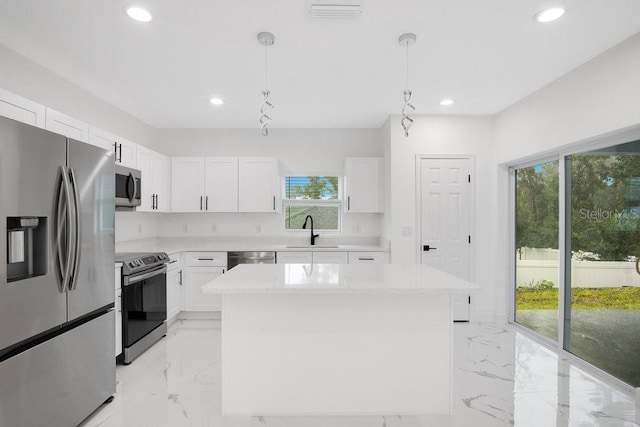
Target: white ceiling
[484,54]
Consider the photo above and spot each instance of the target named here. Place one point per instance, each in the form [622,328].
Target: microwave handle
[131,196]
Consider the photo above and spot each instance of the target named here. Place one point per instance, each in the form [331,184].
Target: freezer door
[93,182]
[61,381]
[30,164]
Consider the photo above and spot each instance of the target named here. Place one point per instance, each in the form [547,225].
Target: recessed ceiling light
[548,15]
[446,102]
[139,14]
[216,101]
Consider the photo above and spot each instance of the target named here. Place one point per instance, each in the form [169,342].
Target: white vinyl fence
[584,274]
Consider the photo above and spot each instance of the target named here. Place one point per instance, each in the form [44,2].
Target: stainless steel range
[144,301]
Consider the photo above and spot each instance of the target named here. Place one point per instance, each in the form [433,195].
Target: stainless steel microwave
[128,188]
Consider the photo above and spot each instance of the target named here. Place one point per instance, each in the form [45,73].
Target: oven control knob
[132,264]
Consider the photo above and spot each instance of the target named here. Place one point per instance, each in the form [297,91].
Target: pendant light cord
[407,43]
[266,68]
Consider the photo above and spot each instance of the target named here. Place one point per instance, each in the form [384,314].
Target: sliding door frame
[563,156]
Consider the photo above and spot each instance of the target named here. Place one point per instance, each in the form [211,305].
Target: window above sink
[318,196]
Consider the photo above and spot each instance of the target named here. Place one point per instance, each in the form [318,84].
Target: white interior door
[445,218]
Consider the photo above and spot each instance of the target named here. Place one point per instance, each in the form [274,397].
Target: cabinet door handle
[348,203]
[200,202]
[174,261]
[206,203]
[274,203]
[120,156]
[180,282]
[366,259]
[205,259]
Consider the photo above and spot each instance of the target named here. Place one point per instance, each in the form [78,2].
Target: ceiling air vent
[334,10]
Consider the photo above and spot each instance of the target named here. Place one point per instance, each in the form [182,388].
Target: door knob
[428,248]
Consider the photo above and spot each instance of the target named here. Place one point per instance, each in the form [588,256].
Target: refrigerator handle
[57,224]
[63,212]
[77,231]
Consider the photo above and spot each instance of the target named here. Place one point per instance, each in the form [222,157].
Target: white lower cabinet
[294,257]
[194,299]
[330,257]
[175,274]
[118,310]
[203,267]
[366,257]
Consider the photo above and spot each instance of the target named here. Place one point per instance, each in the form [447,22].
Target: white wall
[600,97]
[28,79]
[136,225]
[446,135]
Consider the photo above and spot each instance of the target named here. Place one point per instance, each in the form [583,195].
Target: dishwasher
[245,257]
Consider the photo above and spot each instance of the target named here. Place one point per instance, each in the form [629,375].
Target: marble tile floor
[501,378]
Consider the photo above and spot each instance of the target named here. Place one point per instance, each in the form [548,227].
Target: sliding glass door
[602,310]
[536,218]
[594,294]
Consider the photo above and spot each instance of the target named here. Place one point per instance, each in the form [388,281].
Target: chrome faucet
[304,227]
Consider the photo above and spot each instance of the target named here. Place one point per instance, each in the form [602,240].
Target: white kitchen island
[336,339]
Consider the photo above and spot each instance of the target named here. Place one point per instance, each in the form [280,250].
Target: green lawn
[581,298]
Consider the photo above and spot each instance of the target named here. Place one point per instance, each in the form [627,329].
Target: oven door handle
[143,276]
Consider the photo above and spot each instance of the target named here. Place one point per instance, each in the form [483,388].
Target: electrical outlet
[213,229]
[258,229]
[356,229]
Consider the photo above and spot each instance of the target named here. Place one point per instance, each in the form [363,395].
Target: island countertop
[337,279]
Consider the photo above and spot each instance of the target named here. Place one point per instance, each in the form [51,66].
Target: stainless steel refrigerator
[57,361]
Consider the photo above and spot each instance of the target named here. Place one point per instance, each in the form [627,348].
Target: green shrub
[543,284]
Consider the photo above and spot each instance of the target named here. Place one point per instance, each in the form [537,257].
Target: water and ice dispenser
[26,247]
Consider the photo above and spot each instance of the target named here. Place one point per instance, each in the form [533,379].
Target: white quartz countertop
[192,244]
[336,279]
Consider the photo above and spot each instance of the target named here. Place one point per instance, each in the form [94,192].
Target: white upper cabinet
[154,168]
[187,184]
[215,184]
[144,159]
[162,174]
[126,152]
[21,109]
[364,184]
[221,184]
[101,138]
[66,125]
[258,184]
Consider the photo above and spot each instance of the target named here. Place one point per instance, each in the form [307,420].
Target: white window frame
[306,202]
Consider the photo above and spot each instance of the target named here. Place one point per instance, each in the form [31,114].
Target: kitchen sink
[311,247]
